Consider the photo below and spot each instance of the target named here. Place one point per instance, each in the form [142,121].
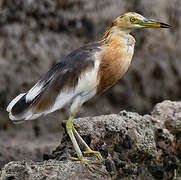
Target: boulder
[133,147]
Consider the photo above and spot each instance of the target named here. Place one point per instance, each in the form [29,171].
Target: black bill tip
[163,25]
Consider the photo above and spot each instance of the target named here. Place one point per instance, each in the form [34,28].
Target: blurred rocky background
[35,34]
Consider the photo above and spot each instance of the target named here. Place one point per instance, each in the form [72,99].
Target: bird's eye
[132,19]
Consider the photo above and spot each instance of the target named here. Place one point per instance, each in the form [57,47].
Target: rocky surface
[21,148]
[133,147]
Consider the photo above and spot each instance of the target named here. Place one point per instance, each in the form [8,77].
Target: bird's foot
[97,154]
[83,160]
[88,163]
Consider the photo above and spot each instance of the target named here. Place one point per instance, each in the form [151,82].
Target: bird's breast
[116,59]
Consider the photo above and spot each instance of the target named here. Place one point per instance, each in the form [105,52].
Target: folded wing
[60,85]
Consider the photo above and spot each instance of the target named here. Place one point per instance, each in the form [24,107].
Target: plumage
[117,57]
[84,73]
[73,76]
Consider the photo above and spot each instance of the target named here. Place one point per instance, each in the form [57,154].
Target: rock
[132,146]
[169,113]
[20,148]
[51,169]
[37,34]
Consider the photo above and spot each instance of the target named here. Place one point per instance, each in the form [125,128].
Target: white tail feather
[32,116]
[33,92]
[14,101]
[28,115]
[15,119]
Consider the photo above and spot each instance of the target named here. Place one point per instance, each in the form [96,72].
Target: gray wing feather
[63,75]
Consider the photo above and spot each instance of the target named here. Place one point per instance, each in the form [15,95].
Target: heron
[86,72]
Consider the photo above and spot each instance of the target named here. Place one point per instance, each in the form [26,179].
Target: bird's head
[131,20]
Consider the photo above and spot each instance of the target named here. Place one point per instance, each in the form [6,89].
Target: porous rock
[132,146]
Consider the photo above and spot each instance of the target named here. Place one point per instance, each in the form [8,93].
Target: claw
[97,154]
[88,163]
[79,159]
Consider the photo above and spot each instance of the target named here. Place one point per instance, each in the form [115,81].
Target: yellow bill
[153,24]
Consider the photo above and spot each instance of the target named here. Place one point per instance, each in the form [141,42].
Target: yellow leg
[88,150]
[70,128]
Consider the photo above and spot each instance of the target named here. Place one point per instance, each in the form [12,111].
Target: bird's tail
[19,109]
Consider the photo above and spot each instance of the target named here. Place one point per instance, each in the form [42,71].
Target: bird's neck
[114,32]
